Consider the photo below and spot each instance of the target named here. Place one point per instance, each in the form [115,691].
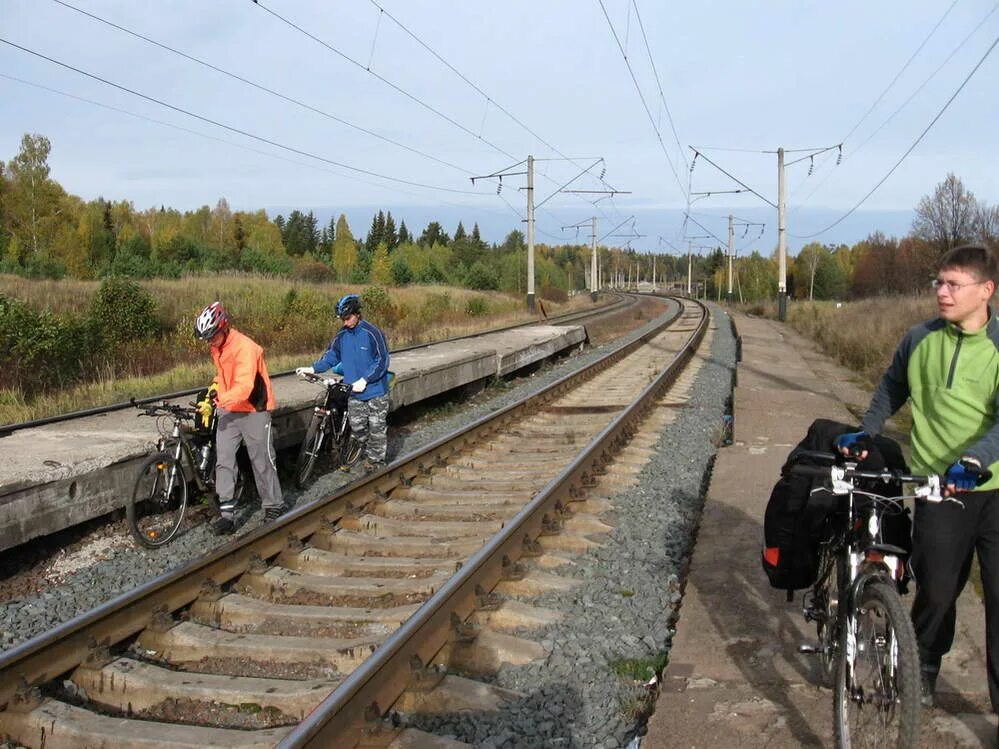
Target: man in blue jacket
[362,353]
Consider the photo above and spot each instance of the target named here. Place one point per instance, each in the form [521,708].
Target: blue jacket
[362,352]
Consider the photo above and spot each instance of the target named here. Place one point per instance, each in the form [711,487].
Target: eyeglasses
[952,286]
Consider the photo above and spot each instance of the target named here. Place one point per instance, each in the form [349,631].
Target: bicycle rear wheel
[877,695]
[308,454]
[156,508]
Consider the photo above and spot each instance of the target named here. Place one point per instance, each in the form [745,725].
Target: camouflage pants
[368,425]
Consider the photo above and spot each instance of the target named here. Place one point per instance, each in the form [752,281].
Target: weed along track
[393,596]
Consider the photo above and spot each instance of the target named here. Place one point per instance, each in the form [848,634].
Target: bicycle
[329,427]
[865,634]
[159,500]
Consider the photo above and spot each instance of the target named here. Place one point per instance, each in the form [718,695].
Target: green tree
[390,236]
[33,200]
[404,235]
[344,250]
[381,266]
[434,234]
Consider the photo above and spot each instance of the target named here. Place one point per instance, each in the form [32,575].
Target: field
[293,320]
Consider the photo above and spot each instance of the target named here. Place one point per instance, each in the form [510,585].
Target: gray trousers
[254,430]
[368,425]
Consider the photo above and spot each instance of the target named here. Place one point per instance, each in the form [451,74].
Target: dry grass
[293,320]
[860,335]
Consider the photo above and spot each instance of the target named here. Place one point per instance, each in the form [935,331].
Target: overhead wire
[260,87]
[383,79]
[231,128]
[206,136]
[641,96]
[659,85]
[407,94]
[870,137]
[910,149]
[902,70]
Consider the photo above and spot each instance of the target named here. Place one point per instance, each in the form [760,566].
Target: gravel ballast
[622,615]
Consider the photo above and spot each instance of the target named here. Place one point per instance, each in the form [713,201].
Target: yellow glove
[205,409]
[207,406]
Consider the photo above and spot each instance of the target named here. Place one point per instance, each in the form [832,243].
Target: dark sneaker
[928,683]
[373,465]
[273,513]
[223,526]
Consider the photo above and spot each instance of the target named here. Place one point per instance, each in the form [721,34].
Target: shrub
[123,311]
[481,277]
[255,261]
[477,306]
[435,306]
[41,349]
[401,273]
[312,271]
[554,294]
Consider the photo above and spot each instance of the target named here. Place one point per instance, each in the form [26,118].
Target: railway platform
[735,678]
[58,475]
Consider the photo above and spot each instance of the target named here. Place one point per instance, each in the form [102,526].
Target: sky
[396,104]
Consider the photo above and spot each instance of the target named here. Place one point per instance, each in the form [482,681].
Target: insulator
[693,161]
[811,166]
[839,156]
[603,172]
[499,187]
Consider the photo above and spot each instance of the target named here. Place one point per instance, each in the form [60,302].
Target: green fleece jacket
[952,380]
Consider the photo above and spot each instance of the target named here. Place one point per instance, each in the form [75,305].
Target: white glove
[304,370]
[358,387]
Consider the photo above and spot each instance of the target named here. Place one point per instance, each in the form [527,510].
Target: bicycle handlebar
[159,409]
[320,380]
[843,477]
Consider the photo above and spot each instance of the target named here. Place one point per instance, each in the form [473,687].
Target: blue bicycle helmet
[349,305]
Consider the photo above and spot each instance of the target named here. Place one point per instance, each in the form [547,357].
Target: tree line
[47,232]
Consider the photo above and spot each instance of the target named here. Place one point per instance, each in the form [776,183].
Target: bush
[401,273]
[255,261]
[312,271]
[481,277]
[435,306]
[554,294]
[41,349]
[123,311]
[477,306]
[375,302]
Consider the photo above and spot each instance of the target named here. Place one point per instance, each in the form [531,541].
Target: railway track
[306,632]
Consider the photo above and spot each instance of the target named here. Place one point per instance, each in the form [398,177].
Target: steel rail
[8,429]
[376,684]
[66,646]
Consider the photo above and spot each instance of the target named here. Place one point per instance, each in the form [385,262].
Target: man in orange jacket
[245,401]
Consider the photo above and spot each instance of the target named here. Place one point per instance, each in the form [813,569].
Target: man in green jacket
[948,368]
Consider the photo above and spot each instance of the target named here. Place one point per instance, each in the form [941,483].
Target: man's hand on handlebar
[853,445]
[965,475]
[304,371]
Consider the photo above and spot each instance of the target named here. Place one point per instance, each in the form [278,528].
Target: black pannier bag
[799,506]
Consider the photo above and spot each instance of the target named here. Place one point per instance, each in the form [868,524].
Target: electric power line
[910,149]
[259,86]
[903,69]
[262,139]
[641,96]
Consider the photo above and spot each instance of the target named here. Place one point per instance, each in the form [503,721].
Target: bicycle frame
[179,444]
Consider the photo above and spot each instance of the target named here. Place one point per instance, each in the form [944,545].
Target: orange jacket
[241,375]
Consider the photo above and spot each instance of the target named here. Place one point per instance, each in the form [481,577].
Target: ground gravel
[625,608]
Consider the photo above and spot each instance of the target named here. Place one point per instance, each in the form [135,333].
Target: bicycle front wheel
[159,500]
[308,454]
[877,682]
